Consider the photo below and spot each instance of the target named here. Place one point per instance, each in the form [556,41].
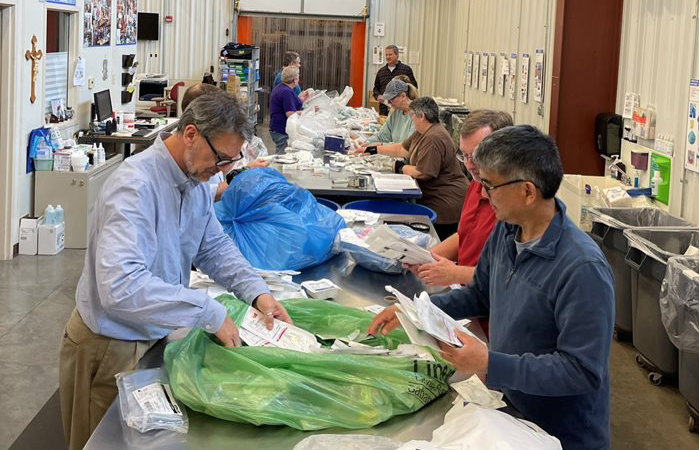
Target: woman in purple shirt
[283,103]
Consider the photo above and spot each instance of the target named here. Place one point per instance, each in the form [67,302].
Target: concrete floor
[36,298]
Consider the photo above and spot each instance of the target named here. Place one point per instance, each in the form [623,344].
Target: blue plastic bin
[329,203]
[392,207]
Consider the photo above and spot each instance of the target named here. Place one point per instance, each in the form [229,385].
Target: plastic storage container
[679,313]
[43,164]
[329,203]
[649,251]
[608,225]
[392,207]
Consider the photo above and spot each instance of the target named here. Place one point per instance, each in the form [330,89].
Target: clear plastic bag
[662,243]
[623,218]
[679,302]
[366,258]
[147,403]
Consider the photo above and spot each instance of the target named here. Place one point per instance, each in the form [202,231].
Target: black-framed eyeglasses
[488,188]
[221,162]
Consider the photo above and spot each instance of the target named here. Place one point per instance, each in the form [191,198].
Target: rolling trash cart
[650,249]
[608,225]
[679,313]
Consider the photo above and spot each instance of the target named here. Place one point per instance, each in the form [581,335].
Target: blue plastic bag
[277,225]
[38,137]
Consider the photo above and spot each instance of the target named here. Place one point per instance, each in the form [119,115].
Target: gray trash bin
[679,314]
[608,225]
[648,254]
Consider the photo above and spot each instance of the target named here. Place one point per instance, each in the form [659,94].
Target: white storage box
[51,238]
[573,193]
[28,235]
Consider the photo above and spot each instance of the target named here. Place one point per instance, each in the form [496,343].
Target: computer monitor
[103,105]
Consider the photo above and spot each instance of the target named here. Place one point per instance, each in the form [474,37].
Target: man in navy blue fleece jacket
[547,290]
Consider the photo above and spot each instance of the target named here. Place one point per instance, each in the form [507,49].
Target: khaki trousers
[88,363]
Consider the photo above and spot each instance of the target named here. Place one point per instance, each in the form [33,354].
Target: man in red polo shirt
[477,217]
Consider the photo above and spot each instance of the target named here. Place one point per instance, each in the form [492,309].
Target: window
[56,75]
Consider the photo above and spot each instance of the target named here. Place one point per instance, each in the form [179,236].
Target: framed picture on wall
[97,23]
[126,22]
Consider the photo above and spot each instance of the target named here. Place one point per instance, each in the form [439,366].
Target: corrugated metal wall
[442,32]
[658,56]
[437,30]
[191,43]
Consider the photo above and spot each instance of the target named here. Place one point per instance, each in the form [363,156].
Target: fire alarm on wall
[168,19]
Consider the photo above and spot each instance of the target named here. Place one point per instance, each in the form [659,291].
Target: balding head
[198,90]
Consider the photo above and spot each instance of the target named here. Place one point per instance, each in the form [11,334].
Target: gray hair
[393,48]
[289,73]
[522,152]
[426,107]
[217,113]
[288,58]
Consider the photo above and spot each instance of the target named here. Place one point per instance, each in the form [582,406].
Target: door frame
[8,127]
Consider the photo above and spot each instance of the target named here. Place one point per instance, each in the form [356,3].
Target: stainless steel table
[359,287]
[323,186]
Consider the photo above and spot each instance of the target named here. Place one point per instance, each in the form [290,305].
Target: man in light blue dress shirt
[154,219]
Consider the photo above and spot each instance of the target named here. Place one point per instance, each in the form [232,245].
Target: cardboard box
[233,84]
[52,238]
[373,102]
[28,235]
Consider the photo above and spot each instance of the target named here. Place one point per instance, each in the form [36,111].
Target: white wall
[442,31]
[658,57]
[30,17]
[191,43]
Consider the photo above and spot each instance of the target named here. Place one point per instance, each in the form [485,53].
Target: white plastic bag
[346,442]
[473,426]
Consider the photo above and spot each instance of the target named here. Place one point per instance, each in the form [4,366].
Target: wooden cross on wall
[35,55]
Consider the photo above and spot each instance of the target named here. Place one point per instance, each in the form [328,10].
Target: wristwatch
[398,166]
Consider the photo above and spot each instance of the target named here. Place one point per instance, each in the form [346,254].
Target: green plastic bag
[306,391]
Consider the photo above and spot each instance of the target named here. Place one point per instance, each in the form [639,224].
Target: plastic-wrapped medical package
[147,403]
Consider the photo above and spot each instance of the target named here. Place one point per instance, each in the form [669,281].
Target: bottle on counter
[655,182]
[49,215]
[59,214]
[586,205]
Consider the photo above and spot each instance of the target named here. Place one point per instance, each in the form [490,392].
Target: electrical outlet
[91,82]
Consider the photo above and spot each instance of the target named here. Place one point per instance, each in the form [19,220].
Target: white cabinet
[77,193]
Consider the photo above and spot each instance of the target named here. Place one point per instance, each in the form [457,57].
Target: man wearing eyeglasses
[547,290]
[457,255]
[153,219]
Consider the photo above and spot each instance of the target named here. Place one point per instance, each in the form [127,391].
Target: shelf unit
[247,69]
